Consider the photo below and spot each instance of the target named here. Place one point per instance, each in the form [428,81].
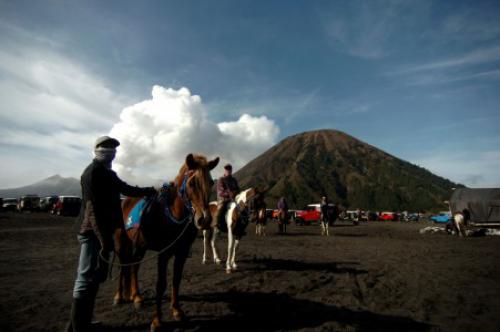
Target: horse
[258,214]
[261,221]
[460,221]
[283,220]
[235,224]
[169,226]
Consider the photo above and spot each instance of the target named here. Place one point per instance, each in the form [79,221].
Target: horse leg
[230,249]
[206,239]
[234,266]
[135,294]
[179,261]
[161,285]
[326,227]
[123,286]
[123,248]
[217,260]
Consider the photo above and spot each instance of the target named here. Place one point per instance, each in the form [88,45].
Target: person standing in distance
[100,218]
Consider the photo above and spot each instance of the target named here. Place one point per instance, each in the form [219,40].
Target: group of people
[100,221]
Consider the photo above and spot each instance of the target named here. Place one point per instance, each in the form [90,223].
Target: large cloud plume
[157,134]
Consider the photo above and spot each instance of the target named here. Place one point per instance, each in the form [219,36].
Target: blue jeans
[92,270]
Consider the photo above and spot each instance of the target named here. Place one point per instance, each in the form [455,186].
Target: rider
[227,189]
[100,218]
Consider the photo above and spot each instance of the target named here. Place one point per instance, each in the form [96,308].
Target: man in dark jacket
[227,189]
[325,215]
[100,217]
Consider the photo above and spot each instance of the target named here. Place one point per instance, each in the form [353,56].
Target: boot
[80,319]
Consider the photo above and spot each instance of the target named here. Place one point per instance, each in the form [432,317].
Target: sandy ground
[375,276]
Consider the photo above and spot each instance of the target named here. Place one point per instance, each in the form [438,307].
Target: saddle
[142,214]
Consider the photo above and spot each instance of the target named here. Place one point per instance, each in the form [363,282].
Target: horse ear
[190,162]
[213,163]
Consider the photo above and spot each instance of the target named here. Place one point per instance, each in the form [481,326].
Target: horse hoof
[204,262]
[228,271]
[117,301]
[217,261]
[155,327]
[137,305]
[178,315]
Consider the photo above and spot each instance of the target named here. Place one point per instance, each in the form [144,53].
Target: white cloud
[157,134]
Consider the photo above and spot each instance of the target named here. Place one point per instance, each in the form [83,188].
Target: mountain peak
[308,165]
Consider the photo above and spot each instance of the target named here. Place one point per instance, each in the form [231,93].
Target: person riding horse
[100,219]
[227,189]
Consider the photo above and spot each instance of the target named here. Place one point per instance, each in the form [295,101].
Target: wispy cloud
[479,56]
[50,103]
[372,29]
[474,169]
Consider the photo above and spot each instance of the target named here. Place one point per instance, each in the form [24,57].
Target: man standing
[282,214]
[325,216]
[100,218]
[227,189]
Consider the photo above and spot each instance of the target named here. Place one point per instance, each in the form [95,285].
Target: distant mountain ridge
[305,166]
[54,185]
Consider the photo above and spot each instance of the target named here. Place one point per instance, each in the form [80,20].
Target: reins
[187,203]
[112,263]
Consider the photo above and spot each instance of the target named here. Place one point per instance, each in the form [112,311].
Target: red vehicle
[386,216]
[310,214]
[67,206]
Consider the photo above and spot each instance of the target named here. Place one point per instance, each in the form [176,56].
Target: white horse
[235,229]
[459,221]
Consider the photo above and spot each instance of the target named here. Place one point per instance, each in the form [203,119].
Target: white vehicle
[9,204]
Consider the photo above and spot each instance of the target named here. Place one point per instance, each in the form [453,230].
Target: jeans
[92,270]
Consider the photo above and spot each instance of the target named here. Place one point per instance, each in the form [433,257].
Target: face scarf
[105,155]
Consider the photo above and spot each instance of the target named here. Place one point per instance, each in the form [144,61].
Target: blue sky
[417,79]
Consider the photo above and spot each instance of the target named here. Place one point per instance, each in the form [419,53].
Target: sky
[418,79]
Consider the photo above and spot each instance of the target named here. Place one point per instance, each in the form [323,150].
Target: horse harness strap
[187,204]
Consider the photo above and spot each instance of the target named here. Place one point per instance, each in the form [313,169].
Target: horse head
[196,183]
[246,196]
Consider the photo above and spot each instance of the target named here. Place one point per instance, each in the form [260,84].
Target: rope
[112,263]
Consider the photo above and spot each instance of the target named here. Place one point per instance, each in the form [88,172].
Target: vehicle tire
[299,222]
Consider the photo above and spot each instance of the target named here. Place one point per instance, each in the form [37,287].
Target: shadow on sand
[271,312]
[270,264]
[277,312]
[258,311]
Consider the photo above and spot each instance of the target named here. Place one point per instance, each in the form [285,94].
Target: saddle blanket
[134,217]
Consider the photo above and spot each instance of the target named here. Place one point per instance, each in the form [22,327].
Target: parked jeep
[28,203]
[9,204]
[310,214]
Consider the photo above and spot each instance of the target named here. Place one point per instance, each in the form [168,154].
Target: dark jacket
[227,187]
[282,205]
[101,210]
[325,211]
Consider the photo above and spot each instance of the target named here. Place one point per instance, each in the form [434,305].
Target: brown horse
[170,229]
[259,214]
[234,225]
[283,220]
